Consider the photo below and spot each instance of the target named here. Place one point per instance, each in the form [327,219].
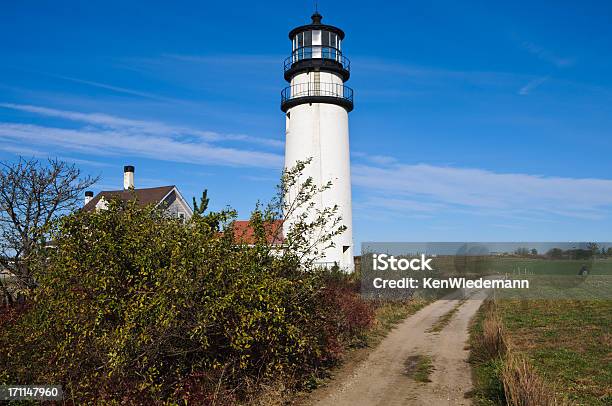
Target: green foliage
[199,209]
[136,307]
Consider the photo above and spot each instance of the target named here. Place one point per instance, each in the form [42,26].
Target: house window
[181,216]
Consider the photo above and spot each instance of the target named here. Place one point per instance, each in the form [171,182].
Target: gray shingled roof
[144,197]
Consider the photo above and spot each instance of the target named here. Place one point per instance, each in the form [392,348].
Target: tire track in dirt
[382,379]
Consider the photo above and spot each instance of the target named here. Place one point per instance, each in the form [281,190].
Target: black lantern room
[317,47]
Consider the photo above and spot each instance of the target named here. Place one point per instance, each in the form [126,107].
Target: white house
[166,197]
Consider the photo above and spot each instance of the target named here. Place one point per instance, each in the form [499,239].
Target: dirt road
[384,378]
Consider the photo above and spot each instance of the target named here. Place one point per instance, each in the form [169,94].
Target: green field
[548,278]
[538,266]
[510,265]
[568,343]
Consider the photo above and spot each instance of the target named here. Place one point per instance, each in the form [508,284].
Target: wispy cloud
[107,135]
[31,152]
[404,204]
[426,188]
[427,74]
[399,68]
[266,179]
[507,226]
[546,55]
[141,126]
[117,89]
[228,59]
[375,159]
[529,87]
[115,143]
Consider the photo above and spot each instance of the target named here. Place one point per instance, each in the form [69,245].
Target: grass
[423,369]
[487,362]
[478,265]
[388,314]
[559,348]
[567,342]
[538,266]
[419,368]
[445,318]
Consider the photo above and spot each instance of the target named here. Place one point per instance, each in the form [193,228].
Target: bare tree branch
[33,194]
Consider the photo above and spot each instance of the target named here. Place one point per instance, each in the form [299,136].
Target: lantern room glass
[316,44]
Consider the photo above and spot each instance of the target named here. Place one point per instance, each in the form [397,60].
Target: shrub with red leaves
[9,314]
[347,316]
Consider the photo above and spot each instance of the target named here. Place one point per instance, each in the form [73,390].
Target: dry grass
[493,340]
[524,387]
[278,394]
[502,373]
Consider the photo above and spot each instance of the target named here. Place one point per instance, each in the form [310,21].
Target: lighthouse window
[316,37]
[326,40]
[330,39]
[308,38]
[304,39]
[300,40]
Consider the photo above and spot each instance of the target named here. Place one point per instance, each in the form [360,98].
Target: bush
[133,307]
[347,316]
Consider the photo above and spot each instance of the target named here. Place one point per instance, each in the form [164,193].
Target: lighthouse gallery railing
[317,89]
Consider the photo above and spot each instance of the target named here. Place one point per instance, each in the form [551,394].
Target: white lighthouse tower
[317,104]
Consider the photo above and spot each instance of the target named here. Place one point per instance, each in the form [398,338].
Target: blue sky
[473,120]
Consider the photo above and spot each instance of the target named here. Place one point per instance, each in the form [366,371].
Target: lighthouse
[316,105]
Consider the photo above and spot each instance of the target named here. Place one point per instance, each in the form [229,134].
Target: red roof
[244,233]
